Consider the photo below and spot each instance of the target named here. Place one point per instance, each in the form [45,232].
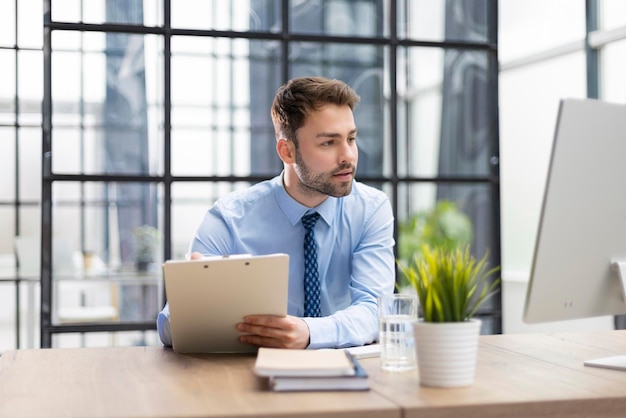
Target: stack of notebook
[312,370]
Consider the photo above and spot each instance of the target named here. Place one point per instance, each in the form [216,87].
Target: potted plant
[146,245]
[451,284]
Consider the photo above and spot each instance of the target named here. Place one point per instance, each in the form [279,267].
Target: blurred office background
[122,121]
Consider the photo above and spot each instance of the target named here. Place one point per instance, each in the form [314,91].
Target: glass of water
[396,314]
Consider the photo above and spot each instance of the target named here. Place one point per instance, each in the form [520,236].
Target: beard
[322,183]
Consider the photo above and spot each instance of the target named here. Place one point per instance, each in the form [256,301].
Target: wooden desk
[530,375]
[526,375]
[156,382]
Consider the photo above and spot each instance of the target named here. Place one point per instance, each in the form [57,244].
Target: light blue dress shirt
[354,237]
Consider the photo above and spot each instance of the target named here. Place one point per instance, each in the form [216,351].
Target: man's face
[327,154]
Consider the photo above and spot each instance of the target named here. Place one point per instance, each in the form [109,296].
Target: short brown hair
[296,99]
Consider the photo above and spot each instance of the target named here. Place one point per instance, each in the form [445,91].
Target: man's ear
[286,150]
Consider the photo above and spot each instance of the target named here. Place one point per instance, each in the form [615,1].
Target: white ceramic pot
[446,352]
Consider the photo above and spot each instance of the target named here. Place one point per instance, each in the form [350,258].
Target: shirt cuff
[322,332]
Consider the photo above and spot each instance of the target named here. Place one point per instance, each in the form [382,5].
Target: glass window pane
[227,15]
[76,150]
[445,114]
[356,18]
[102,218]
[66,151]
[217,152]
[28,251]
[107,251]
[30,87]
[66,78]
[213,120]
[30,164]
[7,87]
[29,23]
[107,103]
[7,233]
[69,10]
[30,226]
[7,164]
[140,12]
[212,70]
[443,20]
[426,201]
[7,24]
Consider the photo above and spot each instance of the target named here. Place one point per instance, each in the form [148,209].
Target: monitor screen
[581,239]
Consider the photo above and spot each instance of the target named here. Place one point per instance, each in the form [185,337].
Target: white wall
[542,60]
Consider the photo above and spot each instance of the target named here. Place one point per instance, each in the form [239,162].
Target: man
[353,235]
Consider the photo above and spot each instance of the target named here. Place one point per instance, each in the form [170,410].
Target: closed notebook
[365,351]
[358,381]
[284,362]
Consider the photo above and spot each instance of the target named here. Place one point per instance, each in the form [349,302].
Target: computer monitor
[579,262]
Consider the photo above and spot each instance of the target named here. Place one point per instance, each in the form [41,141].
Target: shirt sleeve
[213,236]
[163,326]
[373,273]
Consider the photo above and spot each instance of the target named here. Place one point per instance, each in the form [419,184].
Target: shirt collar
[294,210]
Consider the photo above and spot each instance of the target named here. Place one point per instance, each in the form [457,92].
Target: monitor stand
[613,362]
[620,268]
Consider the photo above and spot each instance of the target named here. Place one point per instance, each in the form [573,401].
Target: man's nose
[348,153]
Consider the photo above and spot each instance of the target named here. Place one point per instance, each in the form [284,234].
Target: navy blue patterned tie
[311,274]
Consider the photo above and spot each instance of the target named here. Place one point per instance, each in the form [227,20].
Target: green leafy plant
[442,226]
[451,284]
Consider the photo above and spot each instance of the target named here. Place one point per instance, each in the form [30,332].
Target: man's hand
[274,331]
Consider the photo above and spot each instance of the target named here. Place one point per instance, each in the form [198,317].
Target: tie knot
[309,220]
